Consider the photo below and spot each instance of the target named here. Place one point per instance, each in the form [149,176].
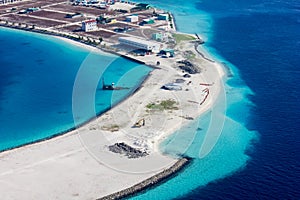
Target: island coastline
[208,105]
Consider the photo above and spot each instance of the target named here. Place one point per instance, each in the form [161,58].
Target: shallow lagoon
[37,78]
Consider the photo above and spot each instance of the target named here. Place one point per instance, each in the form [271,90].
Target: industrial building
[140,44]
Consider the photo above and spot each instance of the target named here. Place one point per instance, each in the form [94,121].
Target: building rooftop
[90,21]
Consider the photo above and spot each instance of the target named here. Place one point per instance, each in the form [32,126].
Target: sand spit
[79,165]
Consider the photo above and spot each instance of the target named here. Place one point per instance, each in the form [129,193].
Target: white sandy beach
[78,165]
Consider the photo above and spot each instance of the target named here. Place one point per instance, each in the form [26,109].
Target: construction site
[91,21]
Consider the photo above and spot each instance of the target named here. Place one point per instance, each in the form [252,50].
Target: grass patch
[163,105]
[182,37]
[189,54]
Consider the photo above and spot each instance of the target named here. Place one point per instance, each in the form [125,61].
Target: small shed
[163,16]
[30,10]
[143,6]
[132,18]
[172,86]
[148,21]
[167,52]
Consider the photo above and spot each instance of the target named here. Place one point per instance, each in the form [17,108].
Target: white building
[140,44]
[133,18]
[89,25]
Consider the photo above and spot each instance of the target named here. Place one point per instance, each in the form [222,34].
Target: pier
[150,182]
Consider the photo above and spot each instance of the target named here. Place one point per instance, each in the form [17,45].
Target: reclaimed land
[76,164]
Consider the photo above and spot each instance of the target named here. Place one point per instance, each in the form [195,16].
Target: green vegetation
[163,105]
[189,55]
[182,37]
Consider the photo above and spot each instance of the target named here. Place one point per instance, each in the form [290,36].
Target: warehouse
[140,44]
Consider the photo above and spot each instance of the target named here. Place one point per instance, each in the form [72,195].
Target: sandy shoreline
[78,164]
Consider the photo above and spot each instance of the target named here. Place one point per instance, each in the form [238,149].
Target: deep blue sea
[37,87]
[258,153]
